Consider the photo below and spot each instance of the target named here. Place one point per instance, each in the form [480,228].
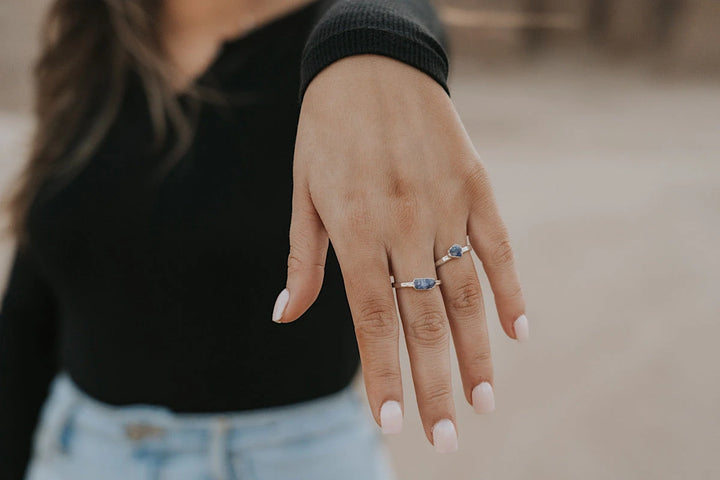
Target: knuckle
[477,183]
[481,356]
[501,254]
[384,374]
[375,319]
[466,300]
[514,294]
[399,188]
[402,200]
[437,395]
[428,328]
[295,262]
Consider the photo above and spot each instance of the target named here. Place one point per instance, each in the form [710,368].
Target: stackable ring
[456,251]
[419,284]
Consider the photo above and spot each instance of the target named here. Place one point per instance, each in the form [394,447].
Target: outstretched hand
[385,170]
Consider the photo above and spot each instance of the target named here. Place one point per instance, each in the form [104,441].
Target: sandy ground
[609,179]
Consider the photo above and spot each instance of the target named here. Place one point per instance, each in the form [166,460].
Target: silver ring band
[419,284]
[456,251]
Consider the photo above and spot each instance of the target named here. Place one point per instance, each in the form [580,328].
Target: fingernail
[280,304]
[522,330]
[391,417]
[445,436]
[483,398]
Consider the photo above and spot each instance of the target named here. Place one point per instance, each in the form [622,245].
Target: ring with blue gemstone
[419,284]
[456,251]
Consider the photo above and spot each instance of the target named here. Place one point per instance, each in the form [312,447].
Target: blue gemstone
[455,251]
[423,283]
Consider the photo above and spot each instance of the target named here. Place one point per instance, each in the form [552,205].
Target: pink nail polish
[483,398]
[280,304]
[522,330]
[445,437]
[391,417]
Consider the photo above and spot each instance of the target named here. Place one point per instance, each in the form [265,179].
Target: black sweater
[161,292]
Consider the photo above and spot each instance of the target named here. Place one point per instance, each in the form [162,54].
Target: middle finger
[427,336]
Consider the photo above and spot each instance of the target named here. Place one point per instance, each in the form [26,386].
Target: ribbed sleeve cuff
[379,42]
[407,31]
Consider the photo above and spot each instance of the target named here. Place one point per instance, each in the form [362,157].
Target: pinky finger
[489,238]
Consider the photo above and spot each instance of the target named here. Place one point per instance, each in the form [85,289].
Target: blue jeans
[328,438]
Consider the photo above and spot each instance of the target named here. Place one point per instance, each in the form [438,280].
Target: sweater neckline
[269,25]
[249,37]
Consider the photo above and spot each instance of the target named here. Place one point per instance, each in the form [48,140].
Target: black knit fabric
[161,292]
[404,30]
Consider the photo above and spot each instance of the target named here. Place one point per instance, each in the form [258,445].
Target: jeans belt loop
[218,448]
[141,431]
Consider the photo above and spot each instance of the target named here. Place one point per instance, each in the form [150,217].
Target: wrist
[360,80]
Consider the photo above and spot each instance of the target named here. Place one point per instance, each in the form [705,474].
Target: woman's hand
[385,169]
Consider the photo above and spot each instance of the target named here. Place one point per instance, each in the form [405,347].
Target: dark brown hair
[89,47]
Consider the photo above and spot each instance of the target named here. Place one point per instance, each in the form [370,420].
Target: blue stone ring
[456,251]
[419,283]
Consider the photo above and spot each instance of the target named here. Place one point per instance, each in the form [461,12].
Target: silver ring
[419,284]
[456,251]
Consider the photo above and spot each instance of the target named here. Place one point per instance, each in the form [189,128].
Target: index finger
[372,304]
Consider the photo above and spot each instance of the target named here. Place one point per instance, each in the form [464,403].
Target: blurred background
[599,122]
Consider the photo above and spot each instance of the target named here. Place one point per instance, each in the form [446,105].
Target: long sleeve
[27,361]
[406,30]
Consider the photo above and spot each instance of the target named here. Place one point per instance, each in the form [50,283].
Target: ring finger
[465,309]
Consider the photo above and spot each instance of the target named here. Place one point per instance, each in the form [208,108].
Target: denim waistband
[149,423]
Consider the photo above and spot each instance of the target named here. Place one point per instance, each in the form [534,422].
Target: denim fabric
[329,438]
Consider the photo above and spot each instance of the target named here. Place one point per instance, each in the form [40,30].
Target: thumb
[306,262]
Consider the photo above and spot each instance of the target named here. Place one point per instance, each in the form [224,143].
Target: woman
[152,221]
